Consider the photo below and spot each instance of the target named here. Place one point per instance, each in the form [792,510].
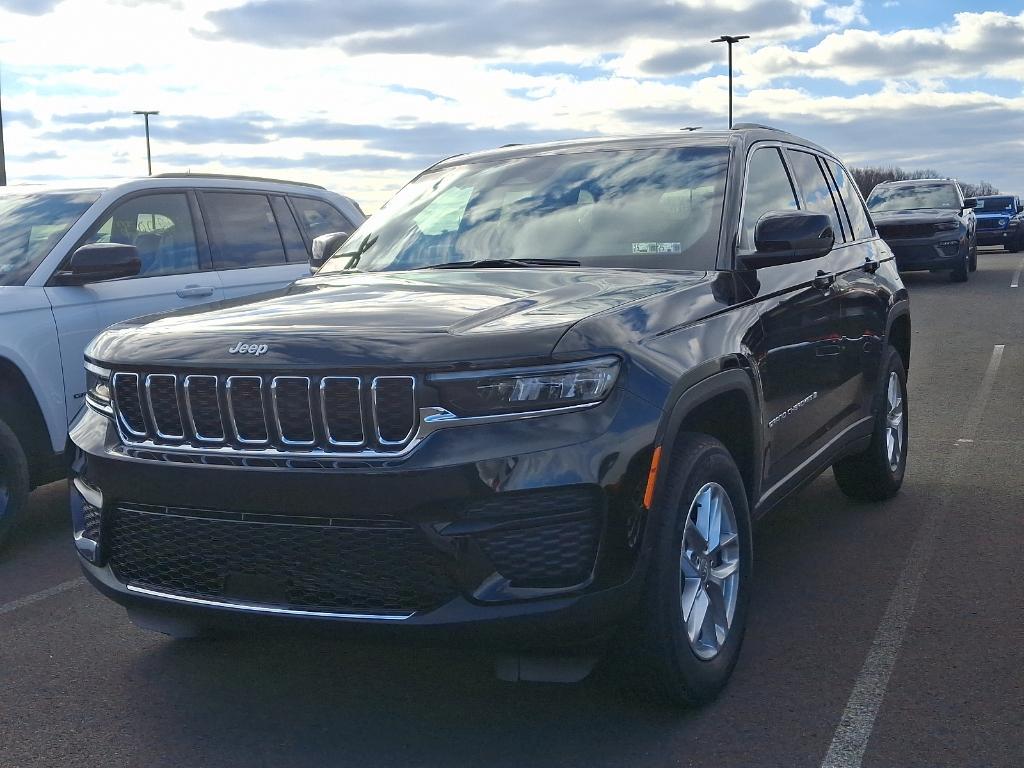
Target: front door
[799,356]
[173,276]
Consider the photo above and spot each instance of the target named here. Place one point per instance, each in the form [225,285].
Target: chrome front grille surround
[328,415]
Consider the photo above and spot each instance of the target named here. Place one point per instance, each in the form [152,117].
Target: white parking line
[858,719]
[1015,283]
[43,595]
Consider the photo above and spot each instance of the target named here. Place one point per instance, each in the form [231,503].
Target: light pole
[149,156]
[731,40]
[3,161]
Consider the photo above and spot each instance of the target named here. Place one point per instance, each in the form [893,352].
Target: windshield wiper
[486,263]
[368,242]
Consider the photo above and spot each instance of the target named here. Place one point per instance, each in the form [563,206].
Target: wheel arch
[20,410]
[897,333]
[725,406]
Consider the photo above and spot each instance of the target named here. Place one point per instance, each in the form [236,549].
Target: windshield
[996,205]
[659,209]
[31,224]
[910,197]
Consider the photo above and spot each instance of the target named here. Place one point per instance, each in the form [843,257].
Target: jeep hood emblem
[248,349]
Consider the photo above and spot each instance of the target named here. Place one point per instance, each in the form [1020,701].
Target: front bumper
[998,236]
[942,251]
[521,531]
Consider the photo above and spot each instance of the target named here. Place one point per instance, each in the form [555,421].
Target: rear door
[801,321]
[252,250]
[175,274]
[865,298]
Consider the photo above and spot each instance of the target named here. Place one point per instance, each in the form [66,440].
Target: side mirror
[970,203]
[324,247]
[788,237]
[96,262]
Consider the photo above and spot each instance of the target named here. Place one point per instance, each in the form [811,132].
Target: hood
[920,216]
[428,317]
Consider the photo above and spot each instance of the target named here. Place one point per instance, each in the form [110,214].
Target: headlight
[519,390]
[97,388]
[1014,223]
[945,226]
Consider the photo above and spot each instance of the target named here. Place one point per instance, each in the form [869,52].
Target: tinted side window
[810,177]
[242,229]
[320,218]
[850,195]
[293,245]
[160,227]
[768,189]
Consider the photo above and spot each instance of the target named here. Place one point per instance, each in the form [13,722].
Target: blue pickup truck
[1001,221]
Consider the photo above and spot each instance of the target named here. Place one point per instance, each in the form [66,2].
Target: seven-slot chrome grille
[314,414]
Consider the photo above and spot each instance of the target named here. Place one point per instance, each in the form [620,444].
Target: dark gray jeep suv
[537,399]
[929,224]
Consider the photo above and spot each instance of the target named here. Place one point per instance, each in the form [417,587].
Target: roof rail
[231,177]
[750,126]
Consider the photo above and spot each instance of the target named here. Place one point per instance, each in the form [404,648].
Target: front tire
[877,473]
[14,481]
[694,612]
[961,271]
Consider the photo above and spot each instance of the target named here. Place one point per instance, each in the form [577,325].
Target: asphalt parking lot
[886,635]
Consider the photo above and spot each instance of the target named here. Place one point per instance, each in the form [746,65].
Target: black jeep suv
[538,397]
[929,224]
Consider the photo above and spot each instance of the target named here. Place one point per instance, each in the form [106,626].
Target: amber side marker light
[651,477]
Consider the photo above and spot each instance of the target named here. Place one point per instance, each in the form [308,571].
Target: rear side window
[160,228]
[768,189]
[811,179]
[242,230]
[859,220]
[293,244]
[320,218]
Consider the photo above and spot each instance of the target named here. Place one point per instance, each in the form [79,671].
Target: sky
[360,95]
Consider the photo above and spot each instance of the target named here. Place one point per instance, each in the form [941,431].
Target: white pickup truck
[74,261]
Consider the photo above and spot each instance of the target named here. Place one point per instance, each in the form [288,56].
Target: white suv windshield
[31,224]
[656,209]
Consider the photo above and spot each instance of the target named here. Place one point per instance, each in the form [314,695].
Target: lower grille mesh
[372,566]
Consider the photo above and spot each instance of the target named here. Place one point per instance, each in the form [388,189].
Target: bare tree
[870,176]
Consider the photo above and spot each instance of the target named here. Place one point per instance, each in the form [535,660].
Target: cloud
[28,7]
[310,160]
[472,28]
[688,58]
[87,117]
[35,157]
[975,44]
[23,116]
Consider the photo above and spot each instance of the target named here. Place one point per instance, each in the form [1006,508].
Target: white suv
[73,261]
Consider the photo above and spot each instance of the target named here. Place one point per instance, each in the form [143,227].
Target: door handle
[823,280]
[195,291]
[871,266]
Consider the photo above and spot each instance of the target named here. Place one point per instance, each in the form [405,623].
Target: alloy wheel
[895,432]
[709,562]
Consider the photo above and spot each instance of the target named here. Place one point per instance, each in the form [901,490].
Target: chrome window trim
[277,413]
[152,414]
[121,423]
[256,608]
[220,414]
[376,420]
[323,411]
[231,410]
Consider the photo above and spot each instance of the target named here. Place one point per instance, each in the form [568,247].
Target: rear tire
[14,481]
[974,257]
[690,627]
[877,473]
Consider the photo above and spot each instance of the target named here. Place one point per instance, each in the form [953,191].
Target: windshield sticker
[657,247]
